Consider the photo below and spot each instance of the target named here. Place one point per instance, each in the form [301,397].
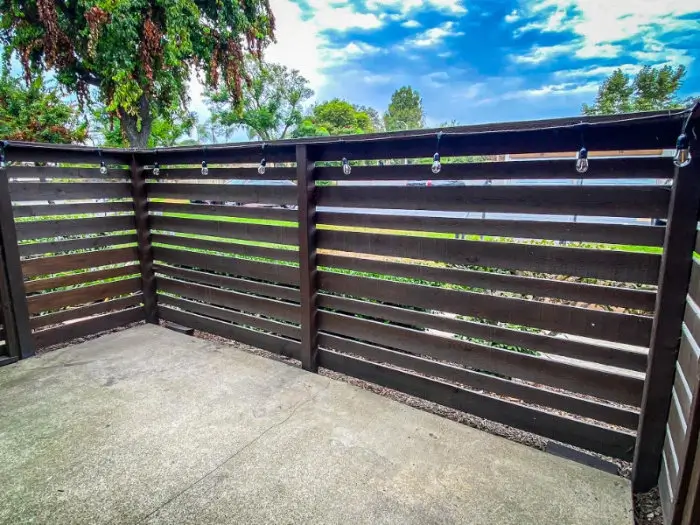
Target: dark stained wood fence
[521,292]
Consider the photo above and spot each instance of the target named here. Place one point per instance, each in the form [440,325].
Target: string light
[682,157]
[263,162]
[103,166]
[582,161]
[205,169]
[156,165]
[347,169]
[437,166]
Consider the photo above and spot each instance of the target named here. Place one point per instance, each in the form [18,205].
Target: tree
[137,54]
[272,102]
[405,110]
[36,113]
[334,117]
[172,131]
[651,89]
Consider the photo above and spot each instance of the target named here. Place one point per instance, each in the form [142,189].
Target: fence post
[674,277]
[143,235]
[306,188]
[19,334]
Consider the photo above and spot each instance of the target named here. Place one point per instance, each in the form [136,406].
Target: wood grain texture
[85,311]
[87,327]
[267,214]
[607,326]
[68,227]
[607,201]
[76,261]
[568,430]
[604,385]
[572,291]
[473,379]
[51,172]
[600,264]
[86,243]
[43,210]
[53,191]
[528,229]
[84,294]
[79,278]
[274,254]
[270,195]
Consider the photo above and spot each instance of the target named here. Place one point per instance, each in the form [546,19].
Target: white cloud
[566,88]
[434,35]
[411,24]
[340,15]
[404,7]
[539,54]
[352,50]
[513,16]
[601,24]
[597,71]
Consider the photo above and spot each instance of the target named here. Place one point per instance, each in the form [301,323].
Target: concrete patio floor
[151,426]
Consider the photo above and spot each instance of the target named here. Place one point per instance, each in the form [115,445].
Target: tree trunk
[138,138]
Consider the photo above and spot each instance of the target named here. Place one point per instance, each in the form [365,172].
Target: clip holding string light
[205,168]
[347,169]
[263,162]
[437,166]
[103,166]
[156,165]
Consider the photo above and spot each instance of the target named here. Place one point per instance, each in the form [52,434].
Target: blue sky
[480,61]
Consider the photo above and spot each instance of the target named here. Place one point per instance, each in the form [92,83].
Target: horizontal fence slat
[229,230]
[82,295]
[607,201]
[226,173]
[601,264]
[50,191]
[277,254]
[683,393]
[609,356]
[240,318]
[665,491]
[77,261]
[694,283]
[272,214]
[582,262]
[80,278]
[539,396]
[230,299]
[677,428]
[608,326]
[232,283]
[46,172]
[85,311]
[689,357]
[86,327]
[566,231]
[269,342]
[605,385]
[224,193]
[624,168]
[86,243]
[275,273]
[580,292]
[64,228]
[43,210]
[591,437]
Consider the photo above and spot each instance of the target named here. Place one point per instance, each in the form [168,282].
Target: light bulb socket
[204,164]
[682,141]
[582,154]
[436,157]
[263,162]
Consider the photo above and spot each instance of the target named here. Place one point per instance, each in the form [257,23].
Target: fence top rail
[646,130]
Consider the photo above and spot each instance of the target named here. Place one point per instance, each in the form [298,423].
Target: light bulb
[347,169]
[436,167]
[103,168]
[682,156]
[582,161]
[156,169]
[205,170]
[261,168]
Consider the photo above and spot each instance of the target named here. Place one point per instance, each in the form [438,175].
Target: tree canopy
[405,110]
[173,131]
[271,105]
[137,54]
[650,89]
[36,113]
[335,117]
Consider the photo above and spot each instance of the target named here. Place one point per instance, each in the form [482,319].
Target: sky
[480,61]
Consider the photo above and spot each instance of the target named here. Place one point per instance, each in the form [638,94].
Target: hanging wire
[3,145]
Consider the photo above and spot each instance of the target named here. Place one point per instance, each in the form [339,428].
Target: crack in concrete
[236,453]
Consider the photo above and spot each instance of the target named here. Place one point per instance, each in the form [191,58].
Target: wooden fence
[525,292]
